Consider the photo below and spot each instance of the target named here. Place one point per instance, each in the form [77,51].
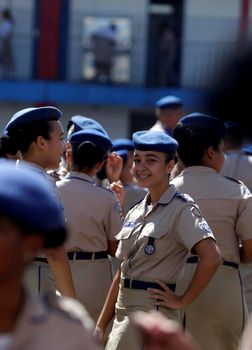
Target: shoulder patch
[184,197]
[232,179]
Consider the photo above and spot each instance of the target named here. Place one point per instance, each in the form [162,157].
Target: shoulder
[68,310]
[234,180]
[184,197]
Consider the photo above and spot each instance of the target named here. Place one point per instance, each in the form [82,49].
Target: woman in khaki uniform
[94,218]
[153,244]
[219,313]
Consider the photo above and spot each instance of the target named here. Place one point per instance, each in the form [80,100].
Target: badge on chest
[150,248]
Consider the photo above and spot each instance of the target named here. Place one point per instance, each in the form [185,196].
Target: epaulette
[235,180]
[68,308]
[184,197]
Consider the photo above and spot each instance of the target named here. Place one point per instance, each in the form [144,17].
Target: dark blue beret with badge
[169,102]
[92,135]
[203,124]
[26,197]
[31,115]
[80,122]
[154,141]
[123,144]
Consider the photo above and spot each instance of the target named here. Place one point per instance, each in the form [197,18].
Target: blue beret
[204,123]
[123,153]
[93,135]
[80,123]
[34,114]
[154,141]
[169,102]
[123,144]
[26,196]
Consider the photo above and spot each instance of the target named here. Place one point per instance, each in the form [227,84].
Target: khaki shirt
[93,213]
[226,205]
[133,194]
[176,225]
[53,323]
[238,166]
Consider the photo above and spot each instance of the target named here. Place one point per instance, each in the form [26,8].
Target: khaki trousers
[217,317]
[92,280]
[39,279]
[123,335]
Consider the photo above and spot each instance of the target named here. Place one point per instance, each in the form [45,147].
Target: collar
[33,166]
[165,199]
[80,176]
[199,169]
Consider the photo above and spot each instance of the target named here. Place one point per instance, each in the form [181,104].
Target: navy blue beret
[154,141]
[204,123]
[121,144]
[26,197]
[81,122]
[169,102]
[123,153]
[34,114]
[93,135]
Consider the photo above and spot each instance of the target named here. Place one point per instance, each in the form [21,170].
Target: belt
[87,255]
[135,284]
[80,256]
[195,259]
[44,260]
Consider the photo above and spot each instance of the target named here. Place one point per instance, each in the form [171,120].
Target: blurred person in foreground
[51,322]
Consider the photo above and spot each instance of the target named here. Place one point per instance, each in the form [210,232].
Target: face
[151,169]
[55,146]
[14,250]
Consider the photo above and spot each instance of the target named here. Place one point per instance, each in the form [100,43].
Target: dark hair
[87,154]
[21,138]
[193,141]
[6,147]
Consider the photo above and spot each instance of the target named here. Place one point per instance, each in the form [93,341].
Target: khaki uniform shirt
[133,194]
[238,166]
[176,225]
[226,205]
[93,213]
[53,323]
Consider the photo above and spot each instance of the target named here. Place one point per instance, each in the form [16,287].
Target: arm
[108,309]
[246,251]
[58,261]
[209,261]
[112,247]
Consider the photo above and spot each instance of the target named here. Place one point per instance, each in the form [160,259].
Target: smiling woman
[153,247]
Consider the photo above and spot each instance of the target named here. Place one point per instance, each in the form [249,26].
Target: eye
[137,161]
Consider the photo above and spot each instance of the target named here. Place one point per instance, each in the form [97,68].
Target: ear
[210,152]
[41,142]
[170,165]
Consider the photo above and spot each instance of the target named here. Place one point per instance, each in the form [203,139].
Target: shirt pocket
[155,230]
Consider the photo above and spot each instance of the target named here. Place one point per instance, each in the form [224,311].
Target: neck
[157,192]
[11,304]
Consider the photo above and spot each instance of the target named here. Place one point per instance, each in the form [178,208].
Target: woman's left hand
[166,297]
